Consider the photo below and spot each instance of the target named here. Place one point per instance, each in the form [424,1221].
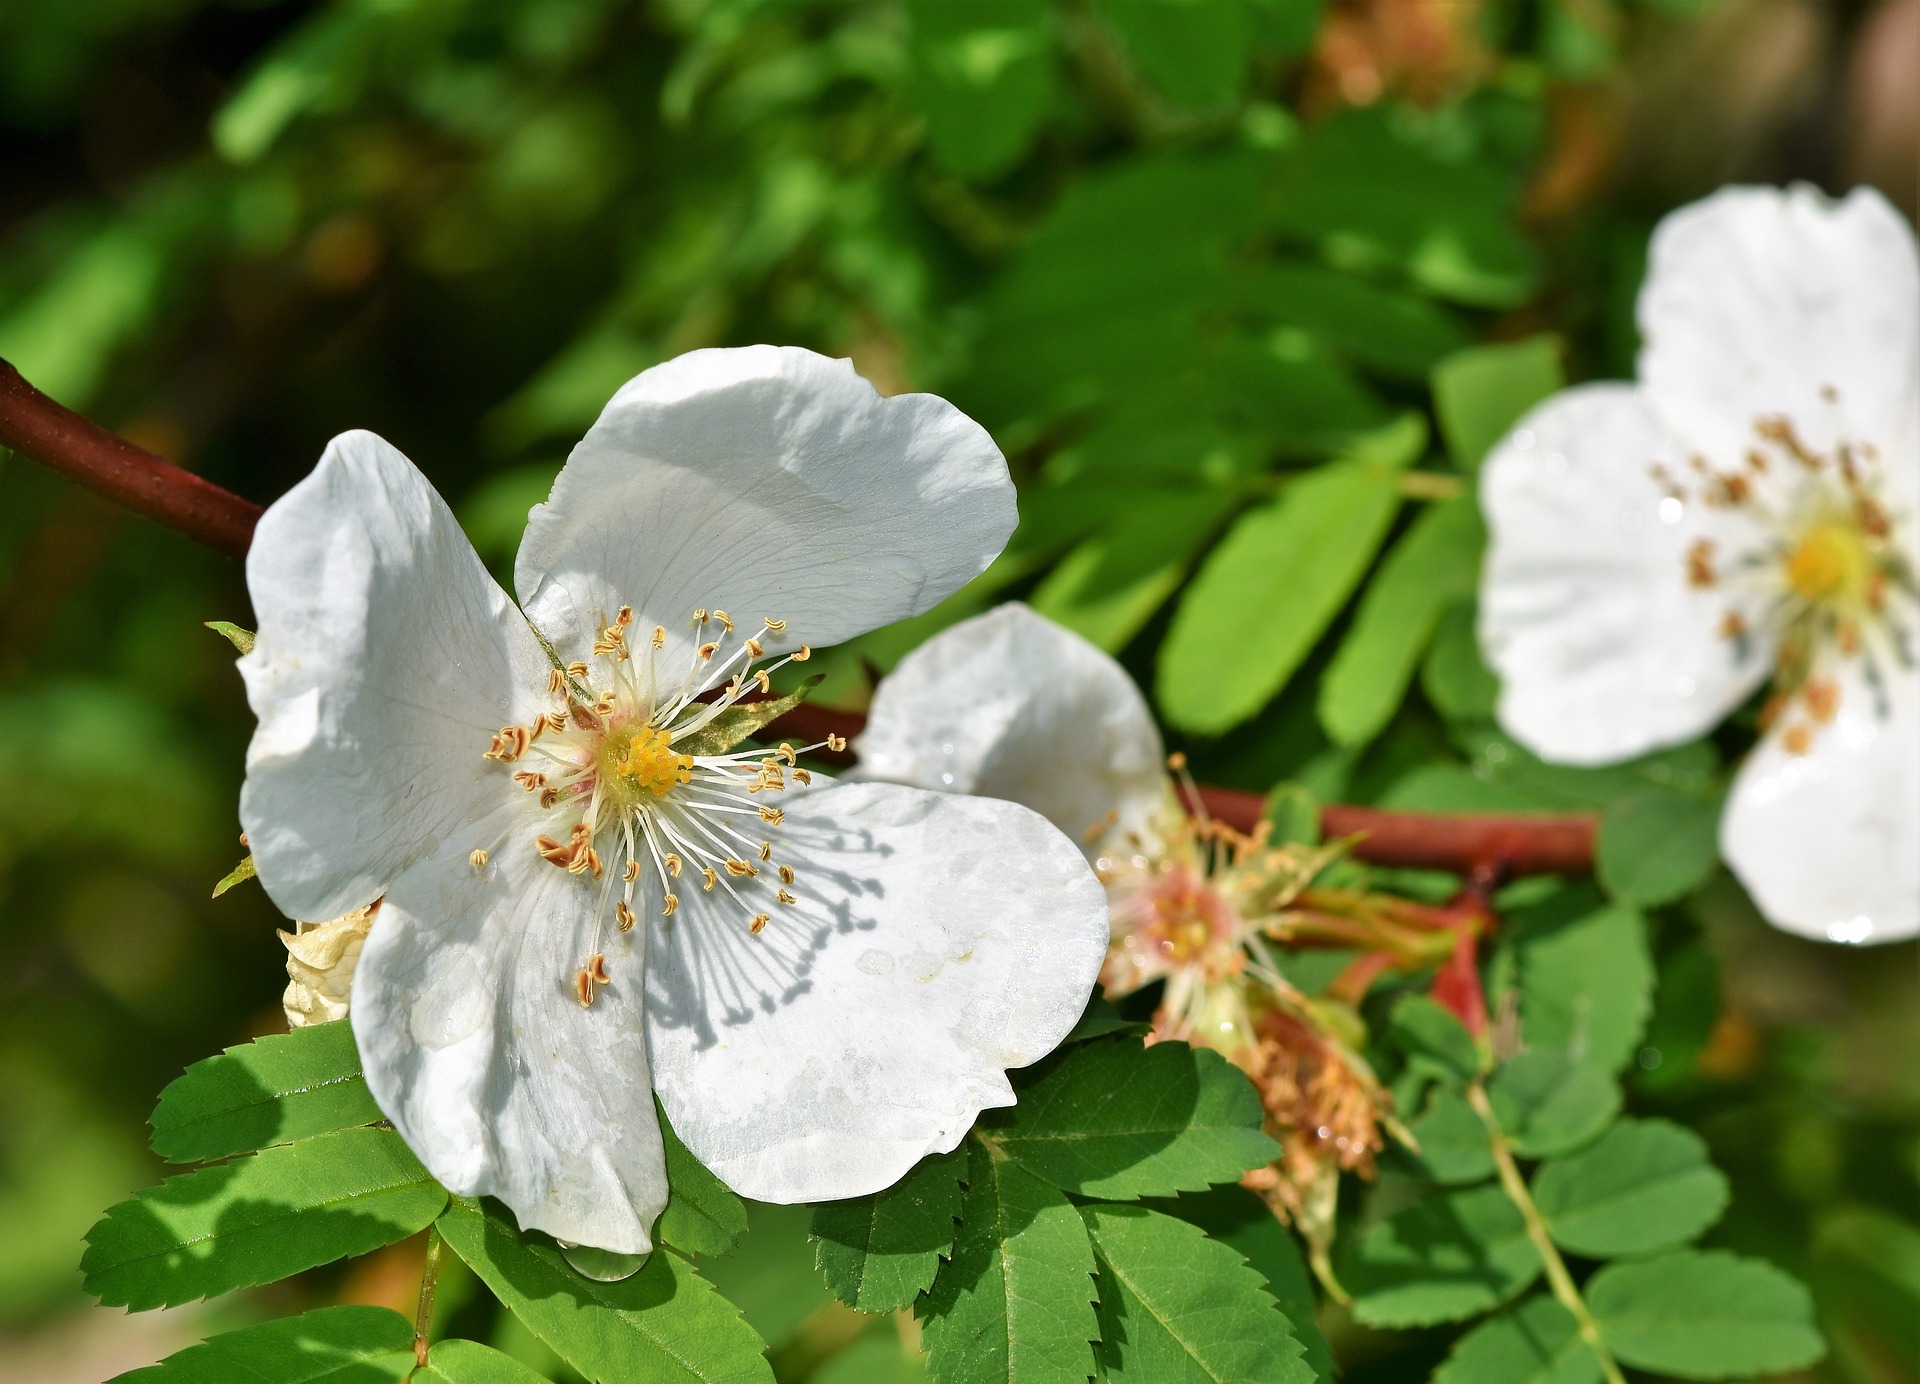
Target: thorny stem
[1564,1288]
[38,427]
[423,1314]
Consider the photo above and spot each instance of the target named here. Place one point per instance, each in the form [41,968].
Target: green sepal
[742,720]
[234,635]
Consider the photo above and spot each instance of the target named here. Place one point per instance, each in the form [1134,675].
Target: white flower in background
[1750,510]
[583,901]
[1010,705]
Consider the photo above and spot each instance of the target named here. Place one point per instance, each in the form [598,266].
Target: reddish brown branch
[81,449]
[1483,848]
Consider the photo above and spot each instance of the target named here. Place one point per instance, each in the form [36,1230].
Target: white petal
[1603,648]
[769,482]
[1010,705]
[939,940]
[1828,842]
[386,659]
[1758,300]
[477,1048]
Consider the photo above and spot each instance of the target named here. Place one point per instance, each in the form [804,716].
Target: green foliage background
[1243,323]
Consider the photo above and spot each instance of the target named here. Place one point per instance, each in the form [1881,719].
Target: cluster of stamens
[618,771]
[1825,569]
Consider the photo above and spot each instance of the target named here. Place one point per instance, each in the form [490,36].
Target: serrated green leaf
[1015,1304]
[329,1345]
[1547,1102]
[1236,1217]
[1481,392]
[260,1218]
[1657,845]
[664,1325]
[1454,1147]
[1444,1259]
[1644,1185]
[982,76]
[270,1091]
[1273,584]
[1113,1118]
[879,1253]
[702,1215]
[1537,1342]
[239,874]
[1429,1033]
[1194,54]
[727,729]
[1435,563]
[469,1362]
[1704,1315]
[1175,1305]
[1587,986]
[240,639]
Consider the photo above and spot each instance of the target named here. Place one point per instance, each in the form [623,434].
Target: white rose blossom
[1749,510]
[580,905]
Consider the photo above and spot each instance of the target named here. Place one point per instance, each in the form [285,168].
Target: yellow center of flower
[645,761]
[1831,564]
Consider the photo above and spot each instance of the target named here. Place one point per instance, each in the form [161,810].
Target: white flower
[585,903]
[1749,510]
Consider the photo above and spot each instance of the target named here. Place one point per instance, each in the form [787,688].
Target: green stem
[1558,1278]
[423,1314]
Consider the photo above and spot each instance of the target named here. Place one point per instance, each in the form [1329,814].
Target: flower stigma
[631,777]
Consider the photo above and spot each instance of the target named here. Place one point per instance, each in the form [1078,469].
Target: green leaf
[1658,845]
[664,1325]
[329,1345]
[469,1362]
[1644,1185]
[1868,1262]
[1454,1147]
[737,722]
[232,633]
[1481,392]
[1547,1101]
[702,1215]
[1113,1118]
[1454,676]
[1111,584]
[1097,1020]
[1704,1315]
[239,874]
[1433,1037]
[1016,1301]
[271,1091]
[1435,563]
[1392,332]
[1272,585]
[1175,1305]
[1234,1216]
[1444,1259]
[982,77]
[1375,191]
[879,1253]
[1587,986]
[260,1218]
[1194,53]
[1537,1342]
